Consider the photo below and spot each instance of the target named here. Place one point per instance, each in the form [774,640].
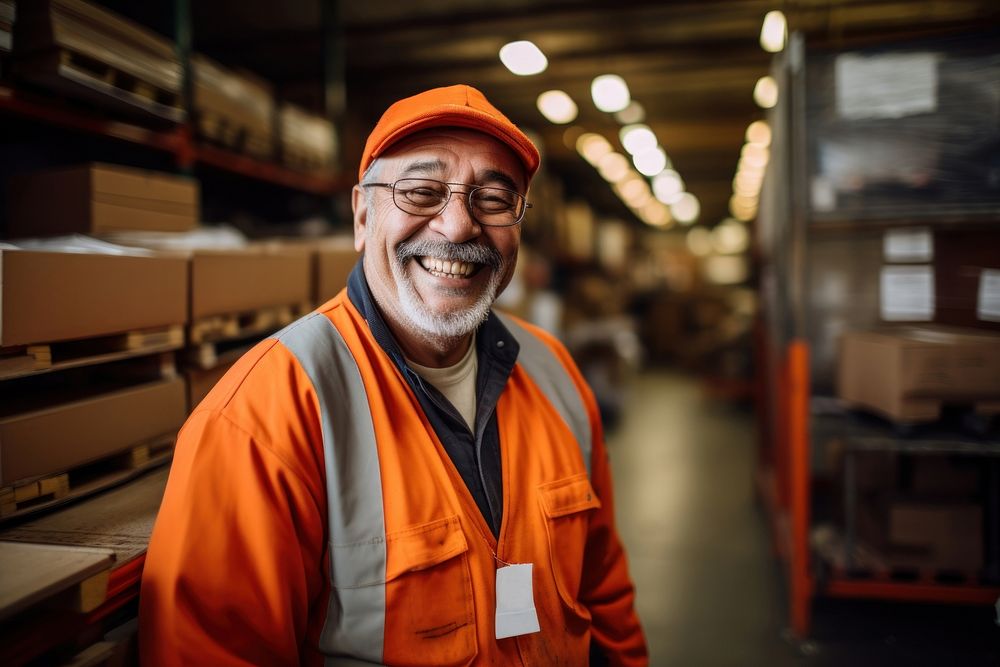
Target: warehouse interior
[773,250]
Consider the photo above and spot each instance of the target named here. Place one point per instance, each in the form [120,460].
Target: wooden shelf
[176,140]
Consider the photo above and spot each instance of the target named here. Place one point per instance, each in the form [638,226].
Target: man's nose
[455,221]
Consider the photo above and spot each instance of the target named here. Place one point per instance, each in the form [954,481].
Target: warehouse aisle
[709,592]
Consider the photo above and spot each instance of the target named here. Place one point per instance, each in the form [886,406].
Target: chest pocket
[430,618]
[567,505]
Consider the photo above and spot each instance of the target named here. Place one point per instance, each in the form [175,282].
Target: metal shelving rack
[788,355]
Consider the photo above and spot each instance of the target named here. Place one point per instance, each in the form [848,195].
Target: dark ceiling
[691,64]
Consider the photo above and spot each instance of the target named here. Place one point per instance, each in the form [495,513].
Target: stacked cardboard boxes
[308,141]
[83,378]
[234,109]
[908,374]
[79,49]
[97,199]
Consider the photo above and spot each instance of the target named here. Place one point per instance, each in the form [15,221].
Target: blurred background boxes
[82,50]
[54,296]
[335,258]
[235,281]
[235,109]
[308,141]
[907,374]
[65,435]
[99,198]
[945,536]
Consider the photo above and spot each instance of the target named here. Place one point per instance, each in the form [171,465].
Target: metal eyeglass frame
[468,198]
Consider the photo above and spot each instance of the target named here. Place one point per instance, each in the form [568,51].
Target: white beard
[447,326]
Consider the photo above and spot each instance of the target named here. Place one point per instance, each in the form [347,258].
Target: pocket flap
[423,546]
[566,496]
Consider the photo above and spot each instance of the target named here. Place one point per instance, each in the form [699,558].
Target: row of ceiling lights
[659,205]
[666,201]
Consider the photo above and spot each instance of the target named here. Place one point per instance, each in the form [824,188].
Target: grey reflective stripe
[545,369]
[355,617]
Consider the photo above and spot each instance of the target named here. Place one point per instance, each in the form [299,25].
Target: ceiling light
[610,93]
[755,155]
[593,147]
[699,241]
[730,238]
[668,186]
[759,132]
[637,138]
[650,162]
[765,93]
[773,31]
[633,113]
[634,192]
[523,58]
[613,167]
[656,214]
[557,106]
[746,183]
[686,208]
[742,208]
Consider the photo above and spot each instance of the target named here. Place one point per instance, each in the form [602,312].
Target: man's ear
[359,204]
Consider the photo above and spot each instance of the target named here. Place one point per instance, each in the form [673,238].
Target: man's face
[407,256]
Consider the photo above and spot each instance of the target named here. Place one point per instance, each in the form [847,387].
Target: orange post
[797,401]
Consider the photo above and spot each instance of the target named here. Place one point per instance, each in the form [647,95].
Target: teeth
[447,268]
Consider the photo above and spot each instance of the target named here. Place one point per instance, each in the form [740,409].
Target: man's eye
[423,195]
[494,202]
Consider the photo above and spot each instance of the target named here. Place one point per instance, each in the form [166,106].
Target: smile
[443,268]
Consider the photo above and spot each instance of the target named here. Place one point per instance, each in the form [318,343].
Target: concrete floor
[709,591]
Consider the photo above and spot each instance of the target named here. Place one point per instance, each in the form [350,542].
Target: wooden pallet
[24,360]
[55,576]
[30,496]
[244,325]
[77,74]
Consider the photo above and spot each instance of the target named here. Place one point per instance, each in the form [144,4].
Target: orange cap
[454,106]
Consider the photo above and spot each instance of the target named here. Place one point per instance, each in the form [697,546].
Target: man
[403,477]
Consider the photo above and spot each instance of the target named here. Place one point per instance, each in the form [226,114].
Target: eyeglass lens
[489,206]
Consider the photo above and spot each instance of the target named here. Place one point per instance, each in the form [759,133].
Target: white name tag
[515,602]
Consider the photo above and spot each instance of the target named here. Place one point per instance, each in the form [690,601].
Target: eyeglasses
[493,207]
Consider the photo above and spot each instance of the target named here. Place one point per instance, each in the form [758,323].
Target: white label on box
[988,302]
[907,293]
[823,195]
[885,86]
[908,245]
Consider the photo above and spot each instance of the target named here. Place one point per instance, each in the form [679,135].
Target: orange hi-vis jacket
[312,516]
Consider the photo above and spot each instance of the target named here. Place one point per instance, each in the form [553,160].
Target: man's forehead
[438,150]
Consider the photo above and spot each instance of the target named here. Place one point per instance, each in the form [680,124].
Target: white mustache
[473,253]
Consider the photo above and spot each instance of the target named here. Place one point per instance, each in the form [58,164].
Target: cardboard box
[99,198]
[235,281]
[906,374]
[51,296]
[941,536]
[233,108]
[201,381]
[942,478]
[56,439]
[307,140]
[335,258]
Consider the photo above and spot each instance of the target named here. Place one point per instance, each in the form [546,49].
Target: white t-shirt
[457,383]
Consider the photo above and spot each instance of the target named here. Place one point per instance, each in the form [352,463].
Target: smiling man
[403,477]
